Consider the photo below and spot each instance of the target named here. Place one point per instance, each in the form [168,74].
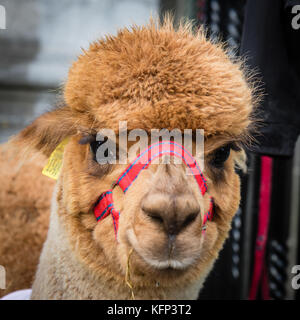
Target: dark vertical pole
[250,199]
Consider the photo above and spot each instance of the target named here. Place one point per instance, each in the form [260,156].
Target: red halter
[104,205]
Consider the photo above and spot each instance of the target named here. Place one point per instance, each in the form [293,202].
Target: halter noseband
[104,205]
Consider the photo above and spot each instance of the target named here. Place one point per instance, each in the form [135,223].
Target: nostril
[155,216]
[189,219]
[171,214]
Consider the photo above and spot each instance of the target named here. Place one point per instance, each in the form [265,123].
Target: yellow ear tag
[54,163]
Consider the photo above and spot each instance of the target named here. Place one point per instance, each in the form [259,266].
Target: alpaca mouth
[169,264]
[161,264]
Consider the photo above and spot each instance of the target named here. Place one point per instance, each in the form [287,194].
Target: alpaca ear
[47,131]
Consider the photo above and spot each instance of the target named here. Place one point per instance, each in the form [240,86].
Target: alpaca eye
[94,145]
[220,156]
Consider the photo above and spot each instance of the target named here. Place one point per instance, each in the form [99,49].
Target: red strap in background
[260,271]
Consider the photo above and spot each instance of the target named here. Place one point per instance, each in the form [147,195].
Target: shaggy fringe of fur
[188,69]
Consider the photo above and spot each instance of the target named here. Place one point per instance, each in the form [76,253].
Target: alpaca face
[161,214]
[151,77]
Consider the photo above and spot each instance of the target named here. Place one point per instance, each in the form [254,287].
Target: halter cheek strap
[104,205]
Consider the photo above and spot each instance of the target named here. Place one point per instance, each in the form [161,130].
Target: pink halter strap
[104,205]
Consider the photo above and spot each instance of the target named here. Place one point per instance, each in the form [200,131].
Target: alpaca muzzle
[105,205]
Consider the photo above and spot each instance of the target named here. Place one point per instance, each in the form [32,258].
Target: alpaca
[151,77]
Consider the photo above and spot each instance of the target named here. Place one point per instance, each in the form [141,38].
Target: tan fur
[24,216]
[152,77]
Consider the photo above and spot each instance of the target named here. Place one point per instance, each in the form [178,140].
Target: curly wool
[154,77]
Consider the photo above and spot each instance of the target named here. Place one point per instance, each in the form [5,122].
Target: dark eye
[109,153]
[94,145]
[220,156]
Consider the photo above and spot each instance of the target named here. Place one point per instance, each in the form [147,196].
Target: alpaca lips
[104,205]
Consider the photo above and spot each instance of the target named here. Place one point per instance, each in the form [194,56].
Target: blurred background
[39,39]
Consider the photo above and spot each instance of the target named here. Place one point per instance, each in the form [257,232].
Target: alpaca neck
[61,275]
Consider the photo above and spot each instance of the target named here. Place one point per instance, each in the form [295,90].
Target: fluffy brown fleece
[24,216]
[152,77]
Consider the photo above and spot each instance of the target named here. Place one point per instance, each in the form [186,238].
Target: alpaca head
[150,77]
